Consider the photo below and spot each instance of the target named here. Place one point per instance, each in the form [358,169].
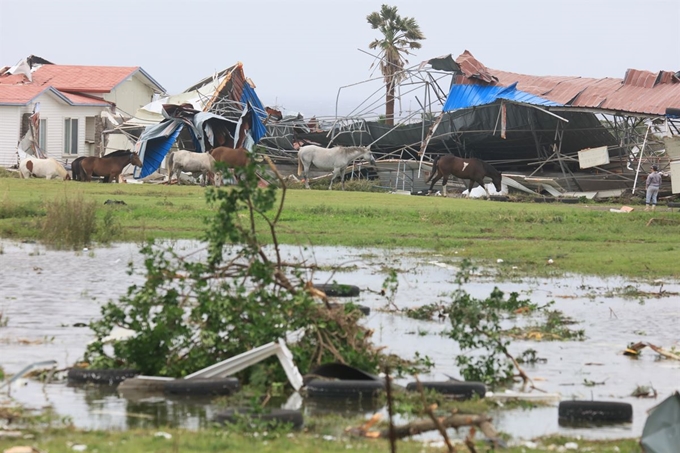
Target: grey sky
[299,53]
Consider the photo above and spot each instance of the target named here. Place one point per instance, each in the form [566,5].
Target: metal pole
[642,152]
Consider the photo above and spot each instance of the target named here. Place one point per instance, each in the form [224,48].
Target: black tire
[362,308]
[672,111]
[595,411]
[98,376]
[344,389]
[274,416]
[338,290]
[211,386]
[569,200]
[459,390]
[673,204]
[498,198]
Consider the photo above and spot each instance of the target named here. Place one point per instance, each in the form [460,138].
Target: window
[71,136]
[42,138]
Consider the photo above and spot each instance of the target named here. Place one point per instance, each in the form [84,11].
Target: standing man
[653,184]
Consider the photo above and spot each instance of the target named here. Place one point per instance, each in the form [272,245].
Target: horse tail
[434,168]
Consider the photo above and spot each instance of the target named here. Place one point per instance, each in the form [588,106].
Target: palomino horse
[336,159]
[42,168]
[190,162]
[109,166]
[472,169]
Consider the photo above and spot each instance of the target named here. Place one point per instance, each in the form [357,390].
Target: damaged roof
[72,82]
[639,92]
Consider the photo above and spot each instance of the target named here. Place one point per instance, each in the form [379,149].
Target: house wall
[54,110]
[10,124]
[130,95]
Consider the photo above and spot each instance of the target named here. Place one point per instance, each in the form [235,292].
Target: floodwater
[46,297]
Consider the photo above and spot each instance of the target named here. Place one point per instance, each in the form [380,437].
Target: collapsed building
[547,134]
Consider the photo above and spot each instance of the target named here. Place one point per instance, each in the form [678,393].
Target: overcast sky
[299,53]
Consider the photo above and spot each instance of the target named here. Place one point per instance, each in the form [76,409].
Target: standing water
[47,298]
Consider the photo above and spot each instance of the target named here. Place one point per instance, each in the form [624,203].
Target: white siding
[54,110]
[10,125]
[130,95]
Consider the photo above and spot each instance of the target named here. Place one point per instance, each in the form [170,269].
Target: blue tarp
[154,144]
[249,96]
[466,96]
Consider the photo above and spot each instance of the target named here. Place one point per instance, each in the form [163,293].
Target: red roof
[640,92]
[72,81]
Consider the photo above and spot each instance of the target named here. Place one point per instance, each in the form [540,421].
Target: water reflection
[46,294]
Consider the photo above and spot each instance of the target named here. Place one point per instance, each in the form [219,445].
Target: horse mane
[351,149]
[118,152]
[490,168]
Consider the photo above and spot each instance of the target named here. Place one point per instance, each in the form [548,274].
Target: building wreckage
[556,135]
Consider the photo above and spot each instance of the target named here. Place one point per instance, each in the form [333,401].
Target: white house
[70,104]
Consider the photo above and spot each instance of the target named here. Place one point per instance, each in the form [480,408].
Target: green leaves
[196,310]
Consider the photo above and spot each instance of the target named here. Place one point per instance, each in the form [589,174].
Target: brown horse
[474,170]
[109,166]
[231,157]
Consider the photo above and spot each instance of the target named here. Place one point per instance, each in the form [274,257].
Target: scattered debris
[622,209]
[663,352]
[662,428]
[644,391]
[115,202]
[634,349]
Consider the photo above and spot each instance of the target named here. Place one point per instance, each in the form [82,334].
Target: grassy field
[208,441]
[580,238]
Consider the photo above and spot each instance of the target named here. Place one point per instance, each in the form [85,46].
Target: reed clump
[69,222]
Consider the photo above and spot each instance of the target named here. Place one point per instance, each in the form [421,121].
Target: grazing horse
[42,168]
[190,162]
[472,169]
[336,159]
[109,166]
[231,157]
[76,170]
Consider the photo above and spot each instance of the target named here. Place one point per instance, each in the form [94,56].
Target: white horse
[42,168]
[336,159]
[190,162]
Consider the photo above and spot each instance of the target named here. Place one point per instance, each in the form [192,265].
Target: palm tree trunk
[389,105]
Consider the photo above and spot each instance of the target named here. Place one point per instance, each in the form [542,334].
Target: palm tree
[399,36]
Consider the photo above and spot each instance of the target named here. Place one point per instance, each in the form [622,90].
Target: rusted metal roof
[640,92]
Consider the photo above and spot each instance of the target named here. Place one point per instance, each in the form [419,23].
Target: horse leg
[444,182]
[342,178]
[333,176]
[434,177]
[470,186]
[305,173]
[204,177]
[488,195]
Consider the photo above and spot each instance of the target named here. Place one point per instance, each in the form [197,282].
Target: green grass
[223,440]
[579,238]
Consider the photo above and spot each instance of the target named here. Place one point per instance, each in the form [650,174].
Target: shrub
[69,222]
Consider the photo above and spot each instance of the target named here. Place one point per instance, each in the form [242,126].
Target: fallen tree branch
[482,422]
[664,353]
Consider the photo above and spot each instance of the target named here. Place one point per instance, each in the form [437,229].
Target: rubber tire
[673,204]
[672,111]
[595,411]
[460,390]
[344,389]
[100,376]
[293,417]
[338,289]
[569,200]
[498,198]
[210,386]
[362,308]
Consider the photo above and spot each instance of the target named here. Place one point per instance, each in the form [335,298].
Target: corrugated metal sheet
[466,96]
[641,92]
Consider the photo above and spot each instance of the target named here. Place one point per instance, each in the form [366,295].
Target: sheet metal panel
[642,92]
